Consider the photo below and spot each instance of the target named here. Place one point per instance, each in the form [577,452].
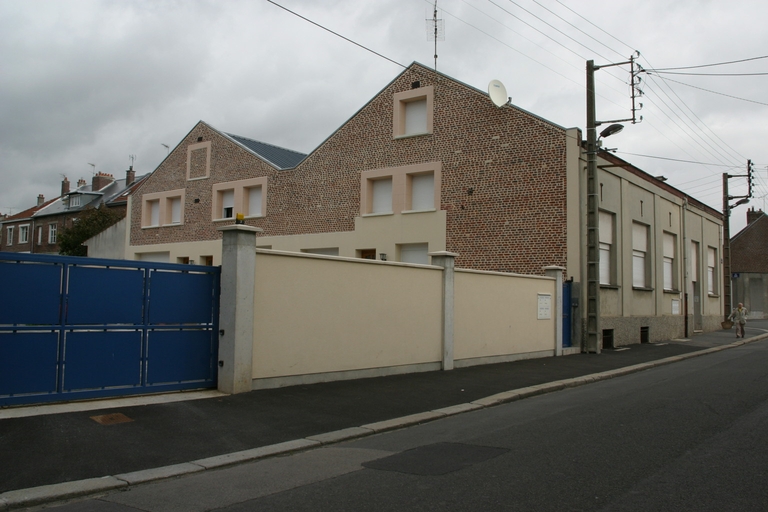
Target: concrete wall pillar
[238,281]
[447,260]
[557,273]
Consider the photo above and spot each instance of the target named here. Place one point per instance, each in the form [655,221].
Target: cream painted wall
[316,314]
[380,232]
[496,314]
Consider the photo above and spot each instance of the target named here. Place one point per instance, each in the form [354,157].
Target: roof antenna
[435,30]
[133,158]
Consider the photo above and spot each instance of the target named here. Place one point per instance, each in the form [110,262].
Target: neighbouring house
[36,229]
[18,231]
[749,264]
[431,164]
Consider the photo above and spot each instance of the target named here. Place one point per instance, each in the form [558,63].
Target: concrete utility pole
[594,342]
[593,225]
[727,295]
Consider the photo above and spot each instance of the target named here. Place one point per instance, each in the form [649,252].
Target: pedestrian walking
[739,317]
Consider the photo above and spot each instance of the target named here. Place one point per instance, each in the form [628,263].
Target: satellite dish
[498,93]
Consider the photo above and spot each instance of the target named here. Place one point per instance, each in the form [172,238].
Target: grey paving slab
[341,435]
[46,493]
[255,453]
[149,475]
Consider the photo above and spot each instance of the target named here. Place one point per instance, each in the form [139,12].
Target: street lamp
[611,130]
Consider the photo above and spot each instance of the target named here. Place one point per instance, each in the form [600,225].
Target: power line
[338,35]
[708,74]
[709,65]
[714,92]
[677,159]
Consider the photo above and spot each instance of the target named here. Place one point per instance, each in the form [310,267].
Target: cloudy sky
[92,82]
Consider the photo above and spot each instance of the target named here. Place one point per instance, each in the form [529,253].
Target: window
[52,232]
[421,191]
[39,235]
[24,234]
[382,196]
[253,207]
[74,200]
[411,188]
[639,255]
[670,281]
[154,213]
[606,248]
[175,209]
[163,208]
[10,236]
[245,196]
[414,253]
[412,114]
[711,270]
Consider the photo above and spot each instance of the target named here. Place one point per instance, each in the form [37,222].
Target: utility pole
[727,276]
[594,333]
[593,224]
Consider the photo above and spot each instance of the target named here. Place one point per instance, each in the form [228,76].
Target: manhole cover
[436,459]
[111,419]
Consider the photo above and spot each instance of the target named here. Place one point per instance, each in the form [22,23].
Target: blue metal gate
[74,328]
[567,287]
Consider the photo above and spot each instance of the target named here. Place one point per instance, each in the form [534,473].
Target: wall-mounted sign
[675,307]
[545,306]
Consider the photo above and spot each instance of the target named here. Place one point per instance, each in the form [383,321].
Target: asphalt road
[686,436]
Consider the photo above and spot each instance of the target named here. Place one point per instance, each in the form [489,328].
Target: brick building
[36,229]
[749,264]
[431,164]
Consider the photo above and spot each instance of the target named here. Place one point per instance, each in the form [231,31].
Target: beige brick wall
[503,178]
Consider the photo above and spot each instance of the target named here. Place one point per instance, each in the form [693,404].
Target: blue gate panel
[180,298]
[180,356]
[28,362]
[105,296]
[32,293]
[102,359]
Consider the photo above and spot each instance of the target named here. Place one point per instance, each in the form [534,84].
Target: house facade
[749,265]
[36,230]
[431,164]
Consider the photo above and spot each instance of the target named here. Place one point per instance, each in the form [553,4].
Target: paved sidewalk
[70,453]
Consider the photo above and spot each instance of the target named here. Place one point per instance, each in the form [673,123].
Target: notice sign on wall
[545,306]
[675,307]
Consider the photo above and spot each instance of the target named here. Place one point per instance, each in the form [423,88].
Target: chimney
[64,187]
[130,176]
[40,199]
[753,215]
[101,180]
[81,183]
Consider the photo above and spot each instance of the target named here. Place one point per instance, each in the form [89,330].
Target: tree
[91,221]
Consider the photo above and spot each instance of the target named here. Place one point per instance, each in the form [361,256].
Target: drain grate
[436,459]
[111,419]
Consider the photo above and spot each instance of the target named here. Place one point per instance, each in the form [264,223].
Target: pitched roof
[28,213]
[749,247]
[279,157]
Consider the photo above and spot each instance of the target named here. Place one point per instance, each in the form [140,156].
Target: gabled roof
[28,213]
[749,247]
[122,196]
[90,198]
[281,158]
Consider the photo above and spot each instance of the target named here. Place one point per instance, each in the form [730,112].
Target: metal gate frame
[78,328]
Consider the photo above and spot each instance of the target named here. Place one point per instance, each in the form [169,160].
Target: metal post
[593,234]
